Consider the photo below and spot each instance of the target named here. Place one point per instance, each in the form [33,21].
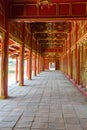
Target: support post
[16,69]
[30,65]
[35,64]
[4,58]
[21,71]
[30,60]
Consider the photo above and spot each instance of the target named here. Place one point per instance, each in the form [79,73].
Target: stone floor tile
[60,126]
[39,125]
[47,102]
[71,120]
[5,128]
[9,125]
[39,129]
[73,127]
[23,124]
[26,118]
[41,119]
[21,129]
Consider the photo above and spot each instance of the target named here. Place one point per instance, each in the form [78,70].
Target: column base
[29,78]
[3,97]
[20,84]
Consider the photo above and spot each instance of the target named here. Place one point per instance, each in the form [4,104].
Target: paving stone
[40,119]
[26,118]
[47,102]
[57,126]
[74,127]
[7,125]
[21,129]
[23,124]
[40,125]
[5,128]
[71,120]
[39,129]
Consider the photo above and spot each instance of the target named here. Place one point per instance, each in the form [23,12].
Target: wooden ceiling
[50,34]
[50,25]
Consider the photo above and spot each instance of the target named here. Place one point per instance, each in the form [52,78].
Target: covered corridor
[47,102]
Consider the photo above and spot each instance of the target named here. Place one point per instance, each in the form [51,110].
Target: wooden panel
[2,20]
[47,10]
[30,10]
[17,10]
[46,64]
[16,29]
[63,9]
[78,9]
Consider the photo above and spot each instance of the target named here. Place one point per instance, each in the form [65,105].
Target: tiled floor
[47,102]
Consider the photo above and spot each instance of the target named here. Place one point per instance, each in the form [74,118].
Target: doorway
[52,66]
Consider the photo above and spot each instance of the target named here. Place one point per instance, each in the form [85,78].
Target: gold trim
[80,40]
[20,84]
[2,97]
[49,19]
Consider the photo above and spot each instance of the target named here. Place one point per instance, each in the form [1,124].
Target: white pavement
[47,102]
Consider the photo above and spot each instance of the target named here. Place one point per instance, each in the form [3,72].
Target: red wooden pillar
[27,67]
[21,58]
[77,56]
[35,66]
[17,69]
[41,63]
[21,68]
[4,58]
[36,58]
[38,65]
[30,65]
[78,65]
[70,57]
[4,68]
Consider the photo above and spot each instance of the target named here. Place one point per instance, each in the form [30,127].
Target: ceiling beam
[24,11]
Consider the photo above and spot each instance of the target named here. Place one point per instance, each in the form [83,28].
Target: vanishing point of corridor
[47,102]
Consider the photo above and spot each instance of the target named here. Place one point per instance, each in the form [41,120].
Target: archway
[52,66]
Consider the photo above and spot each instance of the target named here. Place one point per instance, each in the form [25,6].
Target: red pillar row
[19,64]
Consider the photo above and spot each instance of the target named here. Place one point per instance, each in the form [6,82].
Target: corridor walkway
[47,102]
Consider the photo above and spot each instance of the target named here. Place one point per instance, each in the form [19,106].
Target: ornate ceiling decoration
[50,34]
